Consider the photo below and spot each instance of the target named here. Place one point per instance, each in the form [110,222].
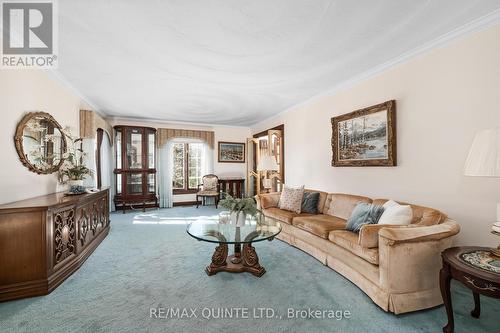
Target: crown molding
[164,121]
[473,26]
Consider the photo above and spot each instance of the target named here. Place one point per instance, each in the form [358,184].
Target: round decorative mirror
[40,142]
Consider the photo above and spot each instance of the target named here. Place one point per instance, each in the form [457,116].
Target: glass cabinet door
[119,183]
[134,148]
[134,183]
[118,145]
[135,164]
[151,183]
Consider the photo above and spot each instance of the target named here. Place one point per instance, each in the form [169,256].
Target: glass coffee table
[255,229]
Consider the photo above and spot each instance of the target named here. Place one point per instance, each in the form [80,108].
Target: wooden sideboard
[233,186]
[43,240]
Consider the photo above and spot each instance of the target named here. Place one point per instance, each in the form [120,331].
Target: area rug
[148,276]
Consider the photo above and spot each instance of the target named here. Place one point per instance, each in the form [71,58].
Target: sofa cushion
[396,214]
[279,214]
[349,241]
[321,201]
[282,215]
[319,225]
[364,213]
[310,202]
[342,205]
[421,215]
[291,198]
[269,200]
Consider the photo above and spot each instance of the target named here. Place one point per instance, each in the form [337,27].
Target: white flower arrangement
[73,167]
[66,165]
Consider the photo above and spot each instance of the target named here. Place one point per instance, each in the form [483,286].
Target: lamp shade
[267,163]
[484,155]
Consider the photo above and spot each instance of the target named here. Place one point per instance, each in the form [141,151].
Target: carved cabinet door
[92,218]
[84,216]
[99,216]
[63,234]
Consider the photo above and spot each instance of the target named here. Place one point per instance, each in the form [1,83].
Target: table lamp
[484,161]
[267,163]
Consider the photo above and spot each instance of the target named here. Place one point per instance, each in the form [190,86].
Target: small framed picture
[231,152]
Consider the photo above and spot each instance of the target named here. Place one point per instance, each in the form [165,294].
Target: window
[187,160]
[178,176]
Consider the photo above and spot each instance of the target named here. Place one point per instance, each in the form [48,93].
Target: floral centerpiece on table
[239,208]
[73,170]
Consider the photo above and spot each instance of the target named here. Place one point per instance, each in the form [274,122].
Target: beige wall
[23,91]
[222,133]
[443,98]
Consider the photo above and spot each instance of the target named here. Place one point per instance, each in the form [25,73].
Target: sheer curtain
[89,147]
[107,165]
[207,163]
[165,171]
[112,188]
[166,167]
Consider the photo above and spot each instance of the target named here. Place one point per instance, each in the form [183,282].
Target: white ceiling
[237,62]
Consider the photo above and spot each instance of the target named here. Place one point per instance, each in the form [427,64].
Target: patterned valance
[90,121]
[165,134]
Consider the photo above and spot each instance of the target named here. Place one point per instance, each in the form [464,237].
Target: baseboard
[131,206]
[24,289]
[184,203]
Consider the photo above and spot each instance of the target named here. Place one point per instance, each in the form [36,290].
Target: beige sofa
[396,266]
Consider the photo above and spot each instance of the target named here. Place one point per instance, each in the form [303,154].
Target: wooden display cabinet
[135,169]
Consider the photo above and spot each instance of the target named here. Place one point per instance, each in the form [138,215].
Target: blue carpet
[148,261]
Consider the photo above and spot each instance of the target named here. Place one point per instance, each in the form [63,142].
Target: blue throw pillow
[364,213]
[310,203]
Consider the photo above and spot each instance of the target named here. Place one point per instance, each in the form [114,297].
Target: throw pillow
[364,213]
[310,203]
[396,214]
[291,198]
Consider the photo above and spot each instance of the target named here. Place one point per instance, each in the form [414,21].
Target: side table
[474,267]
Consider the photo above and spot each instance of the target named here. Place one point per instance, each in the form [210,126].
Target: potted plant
[73,170]
[239,208]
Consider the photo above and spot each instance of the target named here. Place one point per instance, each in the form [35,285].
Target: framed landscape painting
[231,152]
[365,137]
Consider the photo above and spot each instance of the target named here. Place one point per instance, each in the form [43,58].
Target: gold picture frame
[365,137]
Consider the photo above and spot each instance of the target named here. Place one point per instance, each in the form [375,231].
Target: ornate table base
[474,277]
[245,261]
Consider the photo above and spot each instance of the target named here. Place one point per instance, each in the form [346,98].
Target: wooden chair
[209,188]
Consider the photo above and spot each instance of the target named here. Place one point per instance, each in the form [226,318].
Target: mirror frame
[18,140]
